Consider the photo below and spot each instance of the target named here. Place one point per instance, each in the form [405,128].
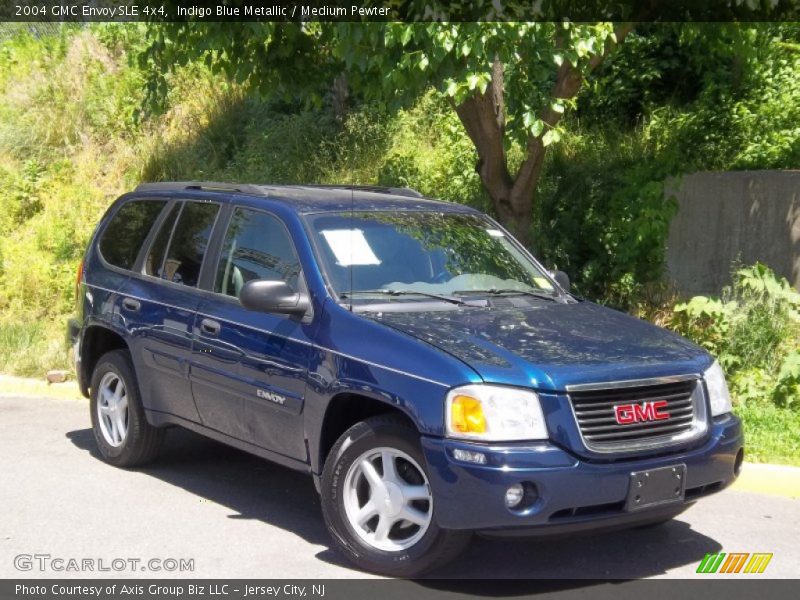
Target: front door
[249,368]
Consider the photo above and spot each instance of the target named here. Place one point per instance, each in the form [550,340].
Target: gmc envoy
[410,355]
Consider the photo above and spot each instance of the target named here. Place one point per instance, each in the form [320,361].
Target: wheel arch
[97,340]
[344,410]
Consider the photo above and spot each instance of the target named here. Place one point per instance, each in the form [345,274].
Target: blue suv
[411,356]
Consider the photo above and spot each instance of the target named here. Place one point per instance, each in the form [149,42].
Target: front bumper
[572,494]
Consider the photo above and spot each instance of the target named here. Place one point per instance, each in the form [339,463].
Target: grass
[772,434]
[30,349]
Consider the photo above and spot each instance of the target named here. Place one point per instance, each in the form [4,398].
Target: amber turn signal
[467,415]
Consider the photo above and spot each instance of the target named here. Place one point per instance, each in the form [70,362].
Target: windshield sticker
[495,233]
[542,283]
[350,247]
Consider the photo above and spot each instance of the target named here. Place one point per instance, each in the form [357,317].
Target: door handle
[210,326]
[131,304]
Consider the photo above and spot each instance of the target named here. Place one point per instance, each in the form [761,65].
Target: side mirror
[562,279]
[278,297]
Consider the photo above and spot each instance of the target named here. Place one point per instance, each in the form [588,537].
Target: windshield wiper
[449,299]
[504,291]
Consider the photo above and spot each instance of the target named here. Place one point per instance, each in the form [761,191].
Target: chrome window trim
[627,383]
[698,429]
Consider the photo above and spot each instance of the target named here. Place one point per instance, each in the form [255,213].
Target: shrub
[754,331]
[787,389]
[602,215]
[429,151]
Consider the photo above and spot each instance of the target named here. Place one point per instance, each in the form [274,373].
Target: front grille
[595,413]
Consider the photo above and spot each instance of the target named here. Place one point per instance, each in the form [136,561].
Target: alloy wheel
[112,409]
[387,499]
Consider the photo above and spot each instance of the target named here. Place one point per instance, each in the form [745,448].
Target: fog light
[469,456]
[514,495]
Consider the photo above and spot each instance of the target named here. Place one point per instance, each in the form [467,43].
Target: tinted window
[154,264]
[189,242]
[122,239]
[256,246]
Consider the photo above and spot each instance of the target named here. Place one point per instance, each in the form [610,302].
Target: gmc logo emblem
[636,413]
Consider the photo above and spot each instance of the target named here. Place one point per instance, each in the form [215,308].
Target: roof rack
[382,189]
[206,186]
[255,190]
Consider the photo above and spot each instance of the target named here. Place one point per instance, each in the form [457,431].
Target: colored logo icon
[734,562]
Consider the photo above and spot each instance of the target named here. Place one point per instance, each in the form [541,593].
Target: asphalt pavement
[235,515]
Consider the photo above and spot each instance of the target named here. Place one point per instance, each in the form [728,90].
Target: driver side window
[256,246]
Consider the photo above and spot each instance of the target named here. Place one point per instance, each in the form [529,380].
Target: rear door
[111,263]
[160,304]
[249,368]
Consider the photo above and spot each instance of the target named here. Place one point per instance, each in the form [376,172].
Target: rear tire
[365,508]
[123,435]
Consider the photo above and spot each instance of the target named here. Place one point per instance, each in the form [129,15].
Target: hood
[549,345]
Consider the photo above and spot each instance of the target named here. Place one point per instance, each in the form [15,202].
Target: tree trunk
[483,117]
[339,92]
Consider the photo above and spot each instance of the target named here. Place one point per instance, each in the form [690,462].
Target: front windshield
[421,252]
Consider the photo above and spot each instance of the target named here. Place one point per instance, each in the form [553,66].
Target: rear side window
[123,238]
[184,257]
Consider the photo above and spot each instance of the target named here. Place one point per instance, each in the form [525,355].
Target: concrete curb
[27,386]
[775,480]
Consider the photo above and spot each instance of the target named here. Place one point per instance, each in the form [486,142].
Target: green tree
[509,83]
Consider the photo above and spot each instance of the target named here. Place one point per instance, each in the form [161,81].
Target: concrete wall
[745,215]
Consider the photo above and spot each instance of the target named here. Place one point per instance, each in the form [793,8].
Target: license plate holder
[654,487]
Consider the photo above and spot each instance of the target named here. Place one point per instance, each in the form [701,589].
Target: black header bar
[387,589]
[397,10]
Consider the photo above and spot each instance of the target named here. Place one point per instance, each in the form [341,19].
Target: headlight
[493,413]
[718,394]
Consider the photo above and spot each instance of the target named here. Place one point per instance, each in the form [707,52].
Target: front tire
[377,501]
[123,435]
